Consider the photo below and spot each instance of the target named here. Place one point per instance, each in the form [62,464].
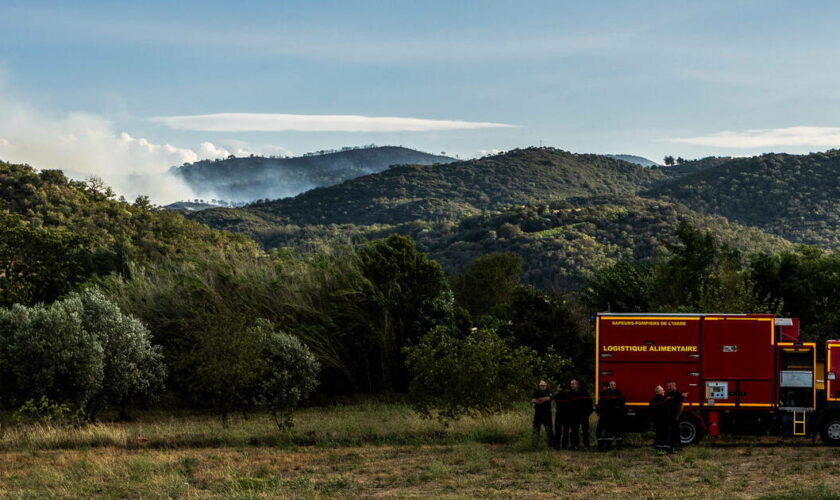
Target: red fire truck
[741,373]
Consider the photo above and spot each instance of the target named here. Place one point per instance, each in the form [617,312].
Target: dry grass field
[384,450]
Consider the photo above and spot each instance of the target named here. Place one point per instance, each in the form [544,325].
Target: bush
[474,375]
[290,373]
[81,350]
[47,412]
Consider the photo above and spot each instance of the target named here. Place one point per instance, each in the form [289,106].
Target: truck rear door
[739,353]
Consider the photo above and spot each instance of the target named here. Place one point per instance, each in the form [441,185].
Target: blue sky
[648,78]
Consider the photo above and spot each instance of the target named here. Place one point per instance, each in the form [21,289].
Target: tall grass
[356,425]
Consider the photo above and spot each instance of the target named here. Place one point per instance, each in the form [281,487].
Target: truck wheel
[830,432]
[691,431]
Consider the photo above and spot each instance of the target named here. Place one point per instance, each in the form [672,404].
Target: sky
[125,90]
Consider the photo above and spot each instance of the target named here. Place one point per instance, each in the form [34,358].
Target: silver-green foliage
[289,373]
[81,350]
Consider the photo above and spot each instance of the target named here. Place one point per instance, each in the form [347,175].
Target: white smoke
[487,152]
[86,145]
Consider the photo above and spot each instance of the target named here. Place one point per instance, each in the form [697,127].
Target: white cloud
[276,122]
[773,137]
[84,145]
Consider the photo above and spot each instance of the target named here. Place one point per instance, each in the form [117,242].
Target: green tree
[489,282]
[290,373]
[224,363]
[81,350]
[405,294]
[804,284]
[478,374]
[621,287]
[39,264]
[132,366]
[45,351]
[547,323]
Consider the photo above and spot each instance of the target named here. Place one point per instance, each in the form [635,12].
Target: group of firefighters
[574,406]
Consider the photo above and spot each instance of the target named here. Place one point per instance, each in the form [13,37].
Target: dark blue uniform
[542,414]
[673,403]
[611,412]
[659,415]
[562,418]
[581,405]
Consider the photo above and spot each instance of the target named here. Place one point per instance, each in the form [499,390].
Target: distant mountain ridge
[258,178]
[638,160]
[454,190]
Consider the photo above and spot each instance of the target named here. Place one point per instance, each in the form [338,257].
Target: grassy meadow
[385,450]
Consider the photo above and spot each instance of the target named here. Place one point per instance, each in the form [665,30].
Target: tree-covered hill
[689,167]
[794,196]
[448,192]
[559,242]
[58,232]
[562,241]
[256,177]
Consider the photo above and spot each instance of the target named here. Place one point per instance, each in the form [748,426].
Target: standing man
[660,418]
[604,405]
[562,417]
[611,411]
[542,411]
[619,410]
[581,406]
[674,404]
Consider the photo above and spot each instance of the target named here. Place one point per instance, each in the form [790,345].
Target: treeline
[700,274]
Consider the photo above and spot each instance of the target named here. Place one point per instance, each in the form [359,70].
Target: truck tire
[830,431]
[691,430]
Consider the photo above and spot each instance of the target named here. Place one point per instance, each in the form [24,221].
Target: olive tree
[80,350]
[46,351]
[289,376]
[132,366]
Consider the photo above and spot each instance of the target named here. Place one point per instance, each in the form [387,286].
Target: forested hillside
[448,192]
[794,196]
[256,177]
[564,241]
[559,242]
[58,232]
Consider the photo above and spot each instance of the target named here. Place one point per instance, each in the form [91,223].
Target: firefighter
[542,411]
[562,417]
[674,404]
[659,417]
[611,410]
[603,417]
[619,412]
[581,406]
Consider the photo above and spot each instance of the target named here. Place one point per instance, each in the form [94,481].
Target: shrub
[478,374]
[290,373]
[47,412]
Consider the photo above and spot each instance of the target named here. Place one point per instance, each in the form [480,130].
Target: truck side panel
[641,352]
